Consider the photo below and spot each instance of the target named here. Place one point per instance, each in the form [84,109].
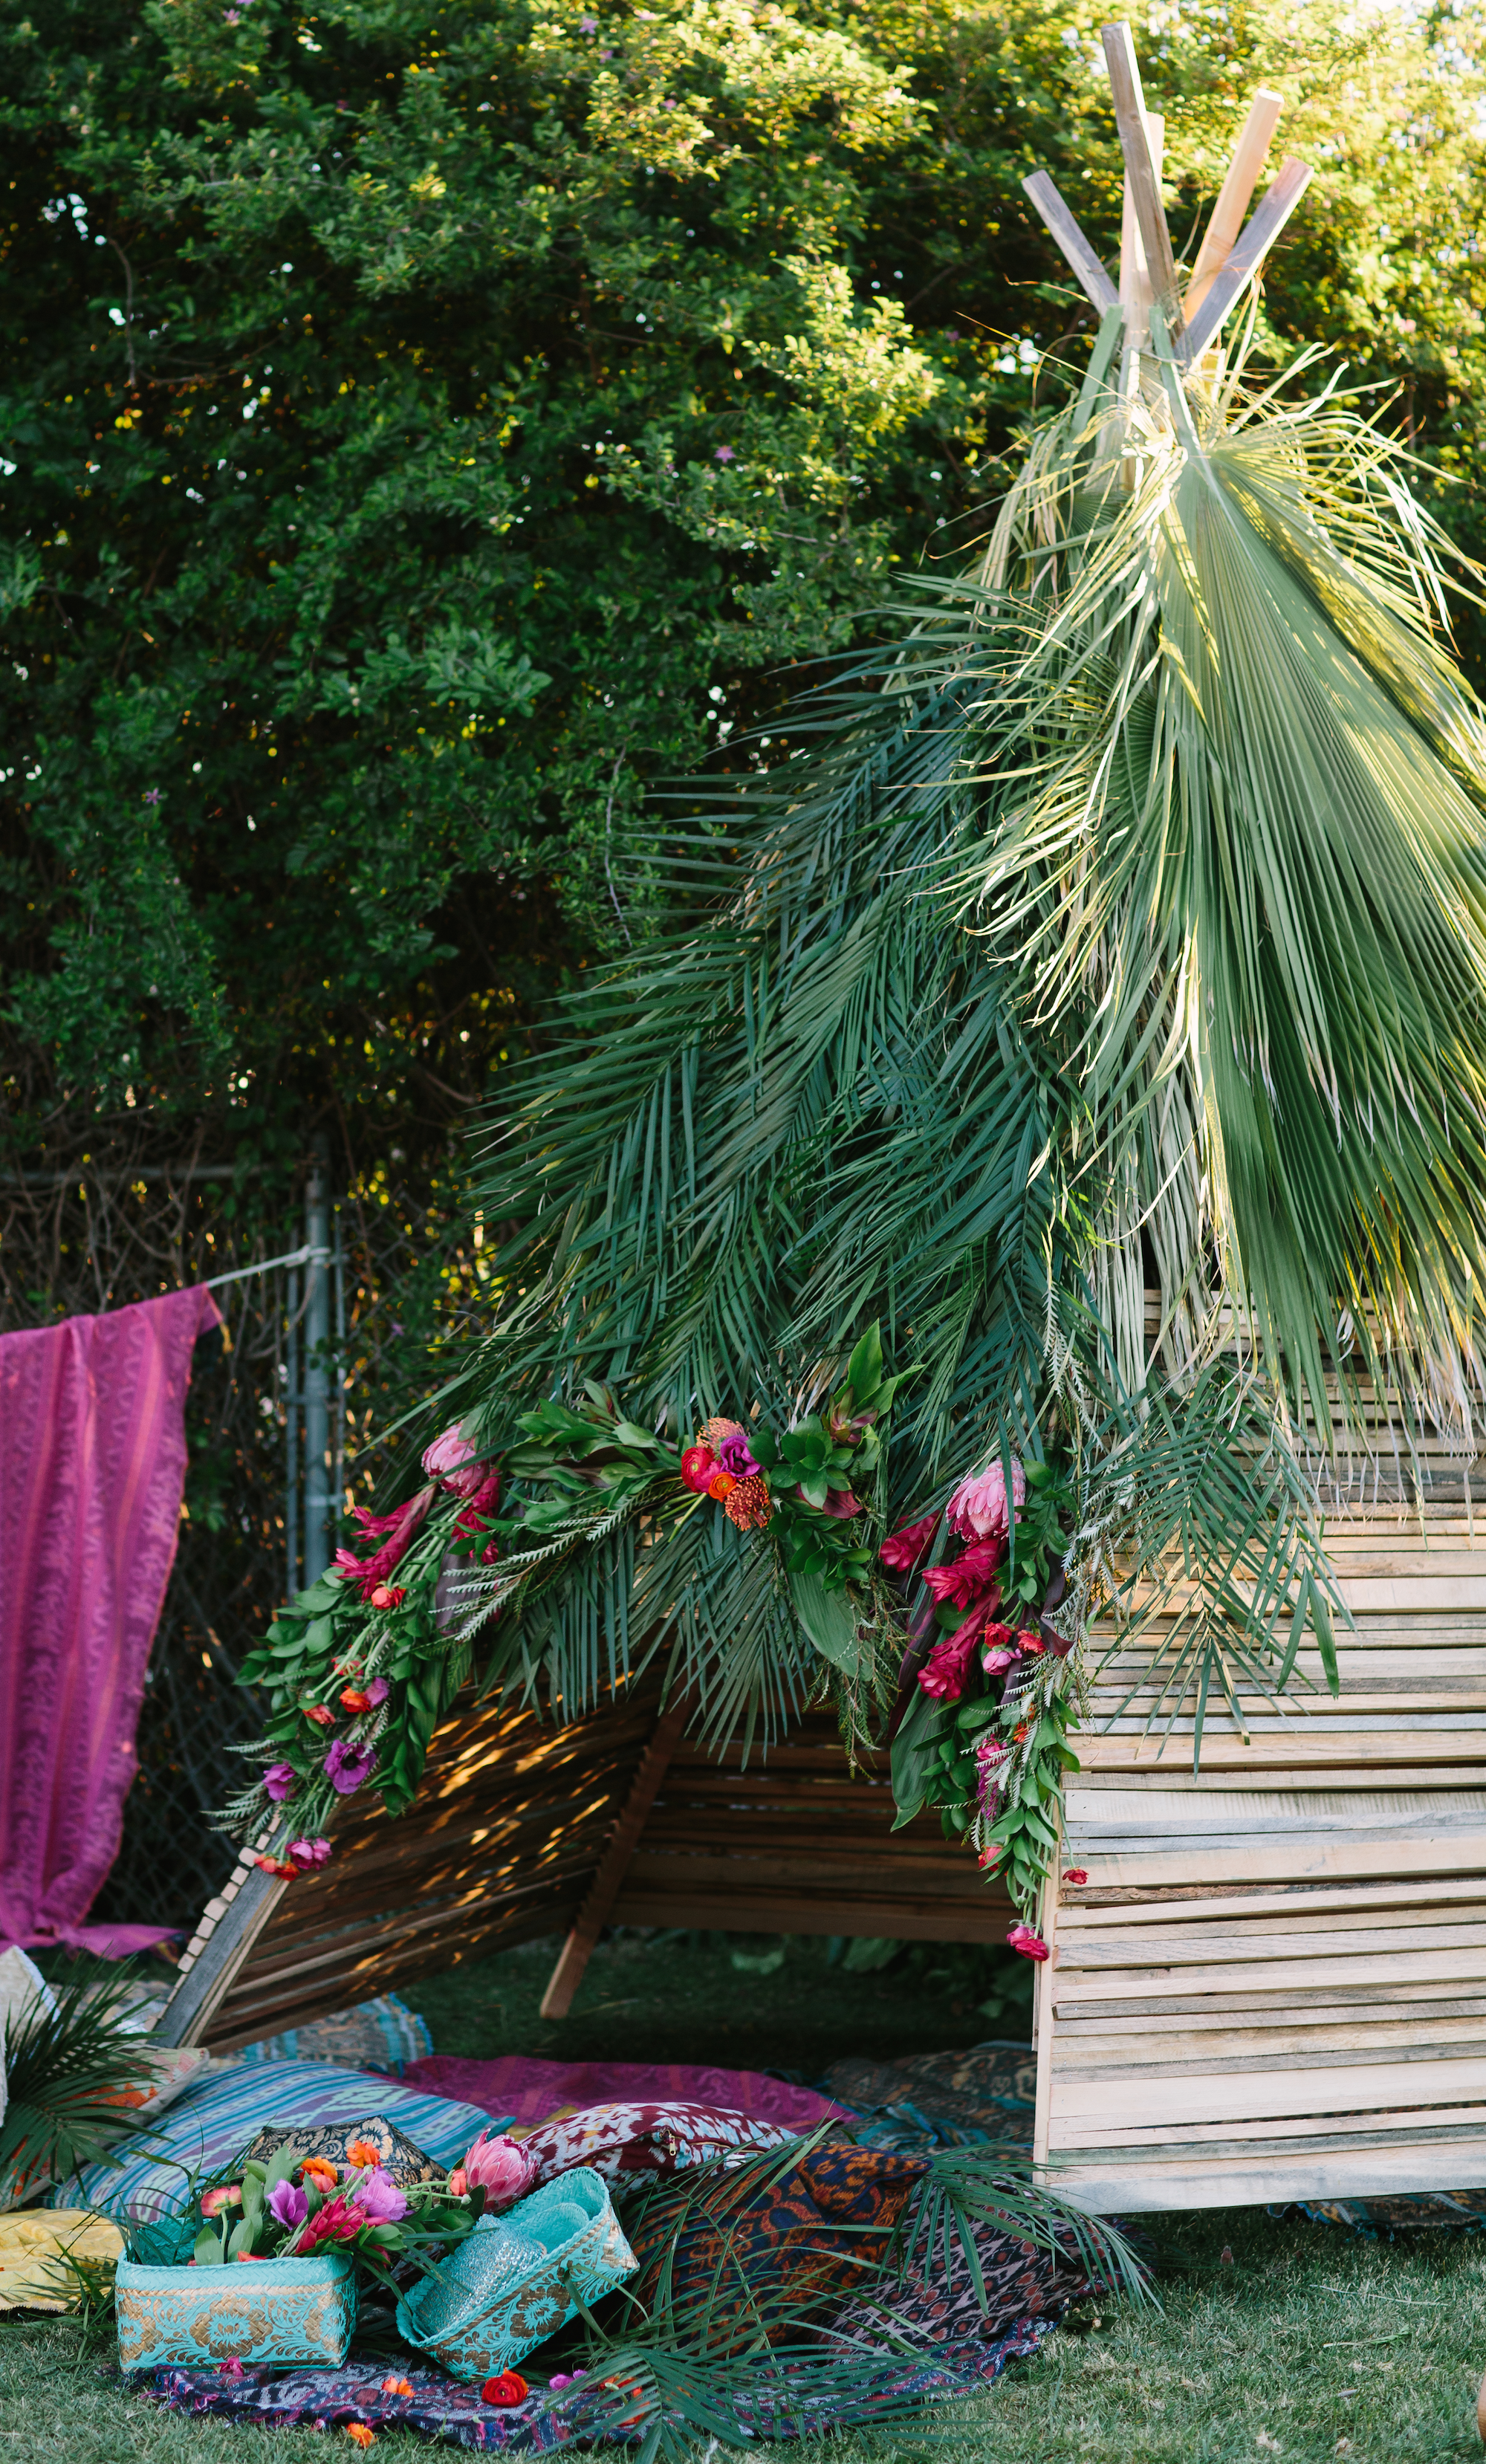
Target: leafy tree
[426,432]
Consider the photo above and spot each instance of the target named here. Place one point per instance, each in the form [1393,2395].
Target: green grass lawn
[1275,2338]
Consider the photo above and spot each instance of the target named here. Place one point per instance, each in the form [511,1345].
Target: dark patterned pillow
[332,2143]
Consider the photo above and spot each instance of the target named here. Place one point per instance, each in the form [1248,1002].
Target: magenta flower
[977,1509]
[970,1577]
[726,453]
[346,1766]
[279,1781]
[900,1553]
[290,2206]
[1031,1944]
[396,1532]
[945,1671]
[305,1855]
[733,1456]
[379,2194]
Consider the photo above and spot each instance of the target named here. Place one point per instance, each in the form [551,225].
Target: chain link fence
[118,1222]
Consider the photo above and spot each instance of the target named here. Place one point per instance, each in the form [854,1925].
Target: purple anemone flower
[290,2206]
[346,1766]
[279,1781]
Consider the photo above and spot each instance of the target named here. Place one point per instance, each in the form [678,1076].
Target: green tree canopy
[426,431]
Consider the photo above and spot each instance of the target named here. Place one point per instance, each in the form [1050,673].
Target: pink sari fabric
[519,2088]
[92,1471]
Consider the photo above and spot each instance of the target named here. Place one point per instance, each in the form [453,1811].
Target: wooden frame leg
[619,1848]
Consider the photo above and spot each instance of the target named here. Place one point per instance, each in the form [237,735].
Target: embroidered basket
[513,2282]
[266,2310]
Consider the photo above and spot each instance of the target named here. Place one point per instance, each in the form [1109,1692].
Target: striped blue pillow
[226,2108]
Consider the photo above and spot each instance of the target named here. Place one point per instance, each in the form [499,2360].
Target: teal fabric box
[257,2310]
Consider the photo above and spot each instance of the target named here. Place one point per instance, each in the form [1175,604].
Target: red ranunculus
[388,1596]
[1076,1875]
[508,2387]
[698,1466]
[900,1553]
[320,1713]
[1030,1645]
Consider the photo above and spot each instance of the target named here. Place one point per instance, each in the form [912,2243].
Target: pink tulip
[977,1509]
[501,2166]
[231,2195]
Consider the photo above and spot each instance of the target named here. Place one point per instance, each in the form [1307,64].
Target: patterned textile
[92,1470]
[803,2238]
[530,2091]
[616,2138]
[439,2408]
[279,2311]
[381,2036]
[1020,2283]
[36,2244]
[952,2100]
[332,2141]
[218,2116]
[1380,2218]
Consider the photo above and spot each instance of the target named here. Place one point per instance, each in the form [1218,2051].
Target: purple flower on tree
[588,25]
[279,1780]
[152,795]
[290,2206]
[346,1766]
[725,453]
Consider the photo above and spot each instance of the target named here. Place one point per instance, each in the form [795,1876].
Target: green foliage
[69,2061]
[425,432]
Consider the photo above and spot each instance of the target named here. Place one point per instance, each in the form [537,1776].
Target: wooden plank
[1283,1748]
[1064,225]
[1073,1987]
[1188,1948]
[1263,230]
[604,1890]
[1118,2112]
[1079,1919]
[1226,221]
[1130,119]
[1139,2186]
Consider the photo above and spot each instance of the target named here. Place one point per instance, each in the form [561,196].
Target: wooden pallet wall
[1273,1984]
[508,1829]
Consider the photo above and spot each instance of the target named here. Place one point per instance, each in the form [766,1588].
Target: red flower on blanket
[902,1551]
[1030,1944]
[508,2387]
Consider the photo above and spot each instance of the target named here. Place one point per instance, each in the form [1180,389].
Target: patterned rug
[950,2100]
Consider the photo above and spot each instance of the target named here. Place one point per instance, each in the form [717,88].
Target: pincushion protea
[748,1503]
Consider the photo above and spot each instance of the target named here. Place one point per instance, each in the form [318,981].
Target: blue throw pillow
[222,2112]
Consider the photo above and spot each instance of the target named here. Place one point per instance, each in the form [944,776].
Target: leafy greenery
[69,2062]
[431,432]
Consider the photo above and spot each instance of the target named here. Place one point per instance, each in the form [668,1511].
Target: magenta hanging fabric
[92,1471]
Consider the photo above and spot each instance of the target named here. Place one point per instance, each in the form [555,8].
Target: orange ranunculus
[315,2169]
[362,2431]
[352,1699]
[278,1866]
[361,2153]
[397,2387]
[721,1484]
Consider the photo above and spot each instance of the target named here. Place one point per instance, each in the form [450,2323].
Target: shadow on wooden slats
[508,1829]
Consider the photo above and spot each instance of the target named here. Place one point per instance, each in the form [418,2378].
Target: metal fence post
[318,1503]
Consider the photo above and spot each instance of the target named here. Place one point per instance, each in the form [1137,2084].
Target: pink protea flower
[501,2166]
[1029,1943]
[900,1553]
[454,1460]
[977,1509]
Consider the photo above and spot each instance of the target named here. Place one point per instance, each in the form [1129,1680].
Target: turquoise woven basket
[263,2310]
[518,2278]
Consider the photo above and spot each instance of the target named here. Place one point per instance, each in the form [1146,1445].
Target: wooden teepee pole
[1233,200]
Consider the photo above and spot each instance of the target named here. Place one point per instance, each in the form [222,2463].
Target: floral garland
[364,1665]
[361,1667]
[983,1734]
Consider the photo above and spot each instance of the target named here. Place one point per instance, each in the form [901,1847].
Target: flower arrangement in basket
[303,2230]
